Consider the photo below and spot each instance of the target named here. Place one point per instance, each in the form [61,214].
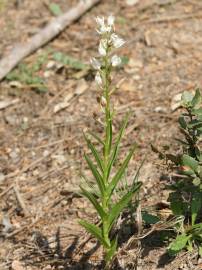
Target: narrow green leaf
[150,219]
[90,186]
[182,122]
[121,171]
[138,172]
[190,162]
[118,207]
[95,231]
[95,153]
[55,9]
[178,244]
[96,174]
[195,124]
[196,204]
[94,202]
[69,61]
[198,111]
[200,251]
[96,137]
[196,99]
[117,143]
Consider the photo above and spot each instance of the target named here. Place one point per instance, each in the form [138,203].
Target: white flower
[103,47]
[98,78]
[100,21]
[116,60]
[110,20]
[102,27]
[117,41]
[95,63]
[105,29]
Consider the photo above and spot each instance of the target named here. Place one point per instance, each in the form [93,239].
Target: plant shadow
[155,241]
[43,253]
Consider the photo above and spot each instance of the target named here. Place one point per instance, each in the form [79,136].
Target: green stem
[107,145]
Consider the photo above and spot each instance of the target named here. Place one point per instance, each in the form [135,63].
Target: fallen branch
[20,200]
[44,36]
[6,103]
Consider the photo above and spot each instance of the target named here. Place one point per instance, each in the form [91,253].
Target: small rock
[48,74]
[11,120]
[46,153]
[14,155]
[16,265]
[135,63]
[136,77]
[132,2]
[7,224]
[35,172]
[25,119]
[16,84]
[2,178]
[50,64]
[160,109]
[48,267]
[59,158]
[176,102]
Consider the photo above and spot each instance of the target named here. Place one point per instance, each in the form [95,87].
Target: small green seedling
[104,168]
[186,196]
[28,74]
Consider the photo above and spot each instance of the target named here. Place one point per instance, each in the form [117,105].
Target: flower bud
[116,60]
[95,63]
[98,79]
[103,101]
[103,47]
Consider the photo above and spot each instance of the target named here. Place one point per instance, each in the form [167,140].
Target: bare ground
[42,148]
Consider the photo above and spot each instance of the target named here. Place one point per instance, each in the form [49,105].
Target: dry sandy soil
[41,146]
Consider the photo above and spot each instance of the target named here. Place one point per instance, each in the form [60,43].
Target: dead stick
[20,200]
[44,36]
[6,190]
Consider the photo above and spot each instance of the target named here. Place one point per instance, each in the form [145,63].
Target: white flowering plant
[102,165]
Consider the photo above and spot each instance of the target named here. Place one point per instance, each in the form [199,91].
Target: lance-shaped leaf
[94,152]
[111,251]
[120,172]
[94,202]
[96,137]
[117,144]
[182,122]
[118,207]
[190,162]
[96,174]
[95,231]
[196,99]
[90,186]
[195,207]
[178,244]
[138,172]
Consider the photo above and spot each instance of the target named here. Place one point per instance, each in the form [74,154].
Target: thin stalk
[107,145]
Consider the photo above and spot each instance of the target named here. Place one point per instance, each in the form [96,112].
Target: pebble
[14,155]
[11,120]
[160,109]
[46,153]
[2,178]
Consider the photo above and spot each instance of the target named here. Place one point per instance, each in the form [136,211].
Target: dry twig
[44,36]
[20,200]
